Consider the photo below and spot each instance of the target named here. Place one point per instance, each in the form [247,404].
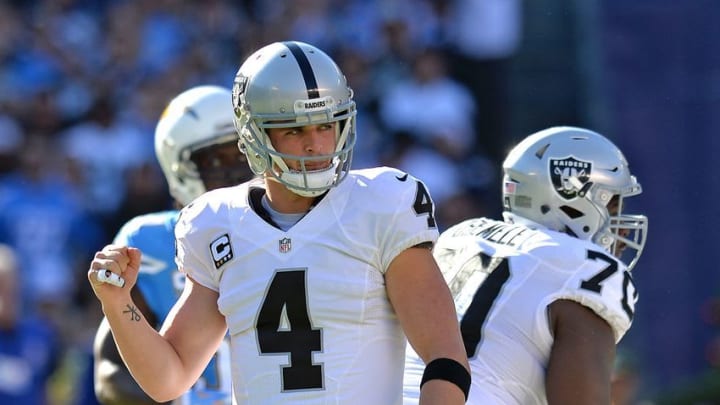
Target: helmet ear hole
[571,212]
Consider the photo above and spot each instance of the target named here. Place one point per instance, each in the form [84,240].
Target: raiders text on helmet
[291,84]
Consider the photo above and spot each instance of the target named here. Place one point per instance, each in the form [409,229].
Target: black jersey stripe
[306,69]
[476,314]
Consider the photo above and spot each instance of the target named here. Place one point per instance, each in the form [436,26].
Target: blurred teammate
[545,295]
[319,272]
[196,145]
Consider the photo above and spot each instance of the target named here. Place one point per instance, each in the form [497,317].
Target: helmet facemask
[264,158]
[287,85]
[623,235]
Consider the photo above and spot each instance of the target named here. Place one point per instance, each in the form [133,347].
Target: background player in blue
[319,273]
[545,295]
[196,145]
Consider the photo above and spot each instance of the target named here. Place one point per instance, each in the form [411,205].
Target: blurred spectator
[371,140]
[393,57]
[431,118]
[434,108]
[146,192]
[104,148]
[311,21]
[11,139]
[442,176]
[464,204]
[483,36]
[41,213]
[439,173]
[29,347]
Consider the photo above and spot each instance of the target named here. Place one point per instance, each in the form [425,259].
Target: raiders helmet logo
[569,175]
[237,92]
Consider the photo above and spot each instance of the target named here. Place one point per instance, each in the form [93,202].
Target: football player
[544,296]
[196,146]
[318,272]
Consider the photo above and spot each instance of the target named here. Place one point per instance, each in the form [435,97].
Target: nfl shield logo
[285,245]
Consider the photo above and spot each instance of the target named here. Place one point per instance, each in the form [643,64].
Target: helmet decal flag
[569,175]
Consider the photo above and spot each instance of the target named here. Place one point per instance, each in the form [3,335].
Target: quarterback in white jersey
[542,298]
[318,273]
[289,296]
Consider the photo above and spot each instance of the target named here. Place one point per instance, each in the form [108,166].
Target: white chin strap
[310,184]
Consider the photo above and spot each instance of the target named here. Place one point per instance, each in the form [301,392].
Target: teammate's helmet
[564,178]
[194,126]
[291,84]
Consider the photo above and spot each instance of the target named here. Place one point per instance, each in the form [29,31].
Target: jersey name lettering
[503,233]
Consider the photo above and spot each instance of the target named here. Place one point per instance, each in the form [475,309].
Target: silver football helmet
[193,130]
[292,84]
[574,180]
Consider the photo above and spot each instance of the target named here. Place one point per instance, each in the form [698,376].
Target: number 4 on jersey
[424,205]
[287,294]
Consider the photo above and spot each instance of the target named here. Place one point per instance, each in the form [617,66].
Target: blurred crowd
[82,83]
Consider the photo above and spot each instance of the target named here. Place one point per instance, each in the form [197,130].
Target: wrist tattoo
[134,313]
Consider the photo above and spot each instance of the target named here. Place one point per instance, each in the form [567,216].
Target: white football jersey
[503,277]
[307,310]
